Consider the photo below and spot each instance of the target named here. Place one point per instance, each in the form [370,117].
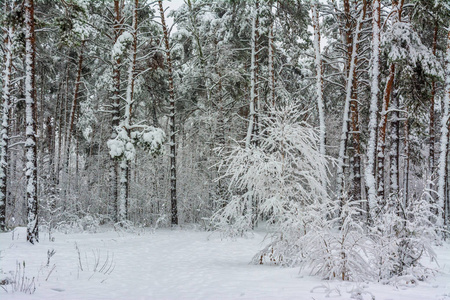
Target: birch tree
[254,99]
[8,32]
[319,79]
[30,144]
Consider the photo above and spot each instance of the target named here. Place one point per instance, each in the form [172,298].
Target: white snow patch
[181,264]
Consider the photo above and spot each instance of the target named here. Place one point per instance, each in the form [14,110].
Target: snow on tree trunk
[381,145]
[4,133]
[257,103]
[345,118]
[407,161]
[30,111]
[253,126]
[125,124]
[444,143]
[173,171]
[374,90]
[118,22]
[271,63]
[395,143]
[251,130]
[220,132]
[319,79]
[432,121]
[355,161]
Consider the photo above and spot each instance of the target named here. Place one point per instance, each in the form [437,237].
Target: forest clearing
[208,149]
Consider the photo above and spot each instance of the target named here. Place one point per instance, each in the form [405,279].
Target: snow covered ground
[179,264]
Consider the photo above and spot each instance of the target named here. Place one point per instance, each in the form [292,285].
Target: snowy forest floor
[179,264]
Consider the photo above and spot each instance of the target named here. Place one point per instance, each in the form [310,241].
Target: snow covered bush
[232,220]
[89,223]
[339,247]
[391,250]
[285,248]
[269,179]
[403,236]
[74,223]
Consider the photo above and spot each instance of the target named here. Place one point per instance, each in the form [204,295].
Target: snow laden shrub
[403,236]
[233,221]
[281,170]
[285,248]
[336,248]
[77,224]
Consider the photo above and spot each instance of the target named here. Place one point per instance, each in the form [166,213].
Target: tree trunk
[432,118]
[30,144]
[257,102]
[254,101]
[126,123]
[61,124]
[381,145]
[345,118]
[407,160]
[118,22]
[319,79]
[356,140]
[4,133]
[272,64]
[374,91]
[73,113]
[173,173]
[444,147]
[395,143]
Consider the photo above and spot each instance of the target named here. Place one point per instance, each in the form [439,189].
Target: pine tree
[173,166]
[115,102]
[370,168]
[352,60]
[444,142]
[382,126]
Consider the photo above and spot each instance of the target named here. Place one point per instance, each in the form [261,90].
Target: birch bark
[4,133]
[30,111]
[319,79]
